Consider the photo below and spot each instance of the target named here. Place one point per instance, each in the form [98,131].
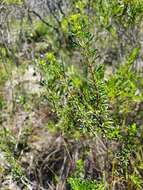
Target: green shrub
[86,104]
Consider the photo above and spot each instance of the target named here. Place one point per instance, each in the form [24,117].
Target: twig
[44,21]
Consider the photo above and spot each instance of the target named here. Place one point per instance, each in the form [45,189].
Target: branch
[44,21]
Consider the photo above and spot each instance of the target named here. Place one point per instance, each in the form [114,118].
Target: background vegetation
[71,95]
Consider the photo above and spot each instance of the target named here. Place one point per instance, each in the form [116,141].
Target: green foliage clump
[13,2]
[7,147]
[79,184]
[39,31]
[80,103]
[123,12]
[124,87]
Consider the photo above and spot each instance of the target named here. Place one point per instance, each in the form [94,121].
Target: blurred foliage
[78,184]
[13,2]
[85,104]
[124,87]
